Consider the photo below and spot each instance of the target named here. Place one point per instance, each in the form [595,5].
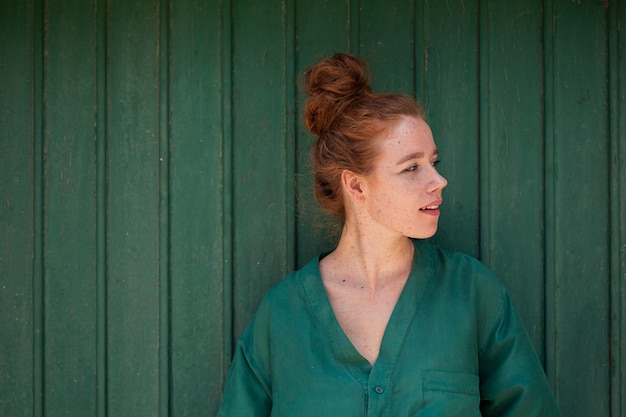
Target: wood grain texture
[580,224]
[155,181]
[513,190]
[133,222]
[197,180]
[69,201]
[617,118]
[17,190]
[260,154]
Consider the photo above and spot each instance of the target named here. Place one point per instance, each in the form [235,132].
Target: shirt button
[378,389]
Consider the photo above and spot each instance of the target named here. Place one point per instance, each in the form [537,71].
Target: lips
[432,208]
[433,205]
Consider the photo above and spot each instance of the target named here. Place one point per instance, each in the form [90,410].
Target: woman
[385,324]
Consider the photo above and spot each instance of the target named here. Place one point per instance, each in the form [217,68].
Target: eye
[412,168]
[435,163]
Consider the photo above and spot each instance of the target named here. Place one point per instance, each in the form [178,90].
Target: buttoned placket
[381,377]
[379,388]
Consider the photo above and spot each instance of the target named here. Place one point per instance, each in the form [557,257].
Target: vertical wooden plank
[133,202]
[38,212]
[452,99]
[226,68]
[354,26]
[515,157]
[322,30]
[16,208]
[259,141]
[621,206]
[581,223]
[70,207]
[101,179]
[197,209]
[549,195]
[484,9]
[420,56]
[164,338]
[617,91]
[289,123]
[386,41]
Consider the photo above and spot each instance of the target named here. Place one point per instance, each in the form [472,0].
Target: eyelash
[413,168]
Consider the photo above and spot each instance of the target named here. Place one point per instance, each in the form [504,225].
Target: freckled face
[404,191]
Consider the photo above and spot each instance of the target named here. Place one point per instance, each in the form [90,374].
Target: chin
[426,232]
[423,234]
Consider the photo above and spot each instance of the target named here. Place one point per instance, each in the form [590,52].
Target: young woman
[386,324]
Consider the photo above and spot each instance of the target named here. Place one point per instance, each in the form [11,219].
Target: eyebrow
[416,155]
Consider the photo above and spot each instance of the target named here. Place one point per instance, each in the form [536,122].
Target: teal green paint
[165,325]
[453,99]
[420,53]
[581,158]
[20,363]
[68,209]
[551,342]
[515,157]
[101,204]
[291,97]
[615,234]
[383,31]
[260,248]
[199,219]
[155,182]
[484,141]
[617,116]
[354,27]
[38,216]
[619,140]
[133,295]
[226,124]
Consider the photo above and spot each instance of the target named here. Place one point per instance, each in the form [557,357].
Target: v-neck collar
[397,328]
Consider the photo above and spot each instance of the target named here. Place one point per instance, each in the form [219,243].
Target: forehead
[408,136]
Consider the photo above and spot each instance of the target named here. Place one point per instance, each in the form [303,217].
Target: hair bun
[333,85]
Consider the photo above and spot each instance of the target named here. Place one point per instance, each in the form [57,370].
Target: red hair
[347,118]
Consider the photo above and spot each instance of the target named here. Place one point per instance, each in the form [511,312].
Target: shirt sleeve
[513,383]
[248,390]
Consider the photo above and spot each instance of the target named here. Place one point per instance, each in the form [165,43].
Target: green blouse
[454,346]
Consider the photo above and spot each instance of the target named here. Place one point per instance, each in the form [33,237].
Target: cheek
[393,199]
[380,201]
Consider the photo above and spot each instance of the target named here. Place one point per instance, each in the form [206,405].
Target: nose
[438,182]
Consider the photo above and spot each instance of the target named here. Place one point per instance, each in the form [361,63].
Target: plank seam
[101,201]
[484,183]
[227,180]
[38,210]
[164,215]
[354,8]
[551,299]
[617,228]
[289,10]
[420,86]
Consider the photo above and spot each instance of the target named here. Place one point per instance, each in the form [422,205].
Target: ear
[352,185]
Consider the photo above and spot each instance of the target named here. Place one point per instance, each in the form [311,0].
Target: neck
[372,260]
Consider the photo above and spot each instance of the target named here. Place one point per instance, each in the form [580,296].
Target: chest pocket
[451,394]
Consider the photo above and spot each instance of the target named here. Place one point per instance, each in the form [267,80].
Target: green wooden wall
[154,181]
